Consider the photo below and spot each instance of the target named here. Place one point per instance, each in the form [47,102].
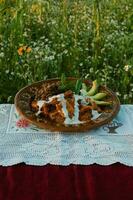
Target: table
[73,182]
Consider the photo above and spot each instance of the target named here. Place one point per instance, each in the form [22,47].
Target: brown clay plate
[40,89]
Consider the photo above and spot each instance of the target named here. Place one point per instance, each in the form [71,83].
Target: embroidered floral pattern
[112,126]
[22,123]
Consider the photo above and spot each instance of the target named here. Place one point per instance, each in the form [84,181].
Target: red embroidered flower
[22,123]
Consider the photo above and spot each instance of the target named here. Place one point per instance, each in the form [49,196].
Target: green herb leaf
[63,79]
[78,86]
[84,87]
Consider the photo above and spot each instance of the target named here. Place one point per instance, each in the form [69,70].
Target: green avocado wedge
[99,96]
[103,103]
[93,89]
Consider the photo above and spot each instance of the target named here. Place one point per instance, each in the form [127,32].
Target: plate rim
[69,128]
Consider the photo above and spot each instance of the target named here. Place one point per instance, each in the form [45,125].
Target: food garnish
[74,104]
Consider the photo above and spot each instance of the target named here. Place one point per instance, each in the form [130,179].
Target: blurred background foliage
[41,39]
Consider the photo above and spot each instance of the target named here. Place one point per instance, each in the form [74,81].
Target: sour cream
[40,104]
[62,100]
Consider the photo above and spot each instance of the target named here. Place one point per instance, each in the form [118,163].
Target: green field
[41,39]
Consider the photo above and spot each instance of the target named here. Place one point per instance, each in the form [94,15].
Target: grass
[41,39]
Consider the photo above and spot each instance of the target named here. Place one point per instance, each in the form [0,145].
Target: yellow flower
[20,51]
[23,49]
[2,1]
[28,49]
[36,8]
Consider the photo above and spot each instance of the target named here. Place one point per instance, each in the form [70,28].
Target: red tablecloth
[74,182]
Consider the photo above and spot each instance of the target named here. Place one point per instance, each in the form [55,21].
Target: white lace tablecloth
[20,142]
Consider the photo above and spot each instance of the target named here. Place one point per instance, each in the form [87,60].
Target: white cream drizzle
[40,104]
[95,114]
[75,118]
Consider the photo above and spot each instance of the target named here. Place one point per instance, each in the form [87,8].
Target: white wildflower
[25,34]
[12,73]
[41,53]
[36,56]
[87,75]
[1,55]
[63,45]
[81,64]
[91,70]
[53,22]
[130,95]
[43,37]
[65,51]
[36,48]
[125,96]
[127,67]
[51,57]
[7,71]
[117,93]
